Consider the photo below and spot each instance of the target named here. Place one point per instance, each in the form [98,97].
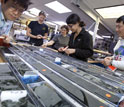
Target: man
[10,10]
[37,30]
[117,59]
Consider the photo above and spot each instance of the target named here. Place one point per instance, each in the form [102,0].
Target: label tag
[111,68]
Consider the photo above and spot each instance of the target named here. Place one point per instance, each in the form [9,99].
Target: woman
[60,40]
[80,43]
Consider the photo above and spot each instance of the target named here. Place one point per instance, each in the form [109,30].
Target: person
[60,40]
[37,30]
[80,43]
[117,60]
[10,10]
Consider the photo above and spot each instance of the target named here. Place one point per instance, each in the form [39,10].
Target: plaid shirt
[5,26]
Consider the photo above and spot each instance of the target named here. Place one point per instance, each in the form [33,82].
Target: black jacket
[83,44]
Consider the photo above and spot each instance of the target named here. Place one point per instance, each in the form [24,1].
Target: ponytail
[82,24]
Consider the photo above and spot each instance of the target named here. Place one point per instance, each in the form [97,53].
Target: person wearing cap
[10,10]
[37,30]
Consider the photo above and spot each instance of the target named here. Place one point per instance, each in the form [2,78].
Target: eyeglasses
[15,8]
[70,26]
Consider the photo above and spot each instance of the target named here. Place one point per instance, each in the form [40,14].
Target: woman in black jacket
[81,42]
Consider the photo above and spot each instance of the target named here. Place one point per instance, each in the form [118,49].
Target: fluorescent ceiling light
[97,36]
[111,12]
[28,14]
[50,23]
[106,36]
[58,7]
[60,23]
[34,11]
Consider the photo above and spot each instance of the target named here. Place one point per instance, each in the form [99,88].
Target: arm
[29,33]
[118,64]
[48,43]
[5,36]
[45,36]
[46,33]
[8,28]
[52,41]
[84,53]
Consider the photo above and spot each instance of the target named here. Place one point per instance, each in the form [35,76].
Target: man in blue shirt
[10,10]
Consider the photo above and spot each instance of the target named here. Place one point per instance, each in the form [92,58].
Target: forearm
[32,36]
[50,43]
[29,33]
[45,36]
[83,53]
[6,38]
[118,64]
[2,36]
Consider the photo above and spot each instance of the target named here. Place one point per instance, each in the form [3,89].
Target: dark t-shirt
[37,29]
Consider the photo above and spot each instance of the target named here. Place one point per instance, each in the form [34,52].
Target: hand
[6,39]
[62,49]
[39,36]
[44,37]
[69,51]
[107,61]
[44,45]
